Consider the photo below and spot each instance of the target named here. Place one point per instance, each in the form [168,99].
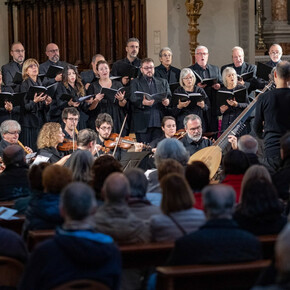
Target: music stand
[132,159]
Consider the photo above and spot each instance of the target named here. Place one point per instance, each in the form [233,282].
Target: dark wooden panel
[81,28]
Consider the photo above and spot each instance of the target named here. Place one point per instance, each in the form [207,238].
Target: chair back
[82,284]
[11,271]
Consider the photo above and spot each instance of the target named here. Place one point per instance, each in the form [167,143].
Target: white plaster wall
[4,46]
[157,33]
[218,25]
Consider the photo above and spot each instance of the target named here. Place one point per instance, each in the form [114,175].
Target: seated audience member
[76,251]
[165,167]
[167,148]
[234,164]
[49,137]
[138,203]
[179,217]
[259,211]
[101,169]
[193,140]
[247,144]
[43,209]
[36,187]
[12,245]
[197,175]
[80,164]
[182,109]
[10,131]
[281,178]
[220,240]
[14,180]
[165,70]
[115,218]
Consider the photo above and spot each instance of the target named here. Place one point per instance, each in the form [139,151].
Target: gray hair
[184,72]
[228,70]
[133,39]
[218,201]
[138,182]
[171,148]
[282,250]
[80,165]
[97,55]
[165,49]
[238,48]
[78,200]
[200,47]
[9,125]
[279,46]
[191,117]
[248,144]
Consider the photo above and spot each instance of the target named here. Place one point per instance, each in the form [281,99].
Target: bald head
[52,52]
[14,154]
[248,144]
[218,201]
[116,188]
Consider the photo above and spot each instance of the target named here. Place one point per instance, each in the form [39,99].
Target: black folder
[17,99]
[49,90]
[53,71]
[240,96]
[263,71]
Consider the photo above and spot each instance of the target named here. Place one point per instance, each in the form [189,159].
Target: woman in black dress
[72,85]
[34,113]
[200,107]
[117,108]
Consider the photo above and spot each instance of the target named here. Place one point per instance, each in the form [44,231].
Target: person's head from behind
[14,155]
[282,253]
[80,165]
[116,188]
[171,148]
[77,202]
[86,140]
[248,144]
[138,182]
[10,131]
[197,175]
[50,135]
[218,201]
[176,193]
[282,72]
[285,146]
[55,178]
[35,175]
[167,166]
[235,162]
[101,169]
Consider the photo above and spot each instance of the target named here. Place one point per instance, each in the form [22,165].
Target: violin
[68,145]
[179,134]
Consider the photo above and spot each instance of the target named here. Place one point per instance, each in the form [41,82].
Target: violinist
[10,131]
[168,126]
[70,117]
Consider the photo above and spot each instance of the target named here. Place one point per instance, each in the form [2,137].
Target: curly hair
[78,83]
[47,136]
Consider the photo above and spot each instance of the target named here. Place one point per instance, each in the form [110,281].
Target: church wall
[4,46]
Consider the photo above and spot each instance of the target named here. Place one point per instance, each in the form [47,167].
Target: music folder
[110,93]
[239,95]
[17,99]
[49,90]
[263,71]
[183,97]
[53,71]
[205,81]
[128,70]
[246,76]
[158,97]
[17,79]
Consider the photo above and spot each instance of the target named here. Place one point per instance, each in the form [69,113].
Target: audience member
[198,176]
[76,251]
[138,203]
[13,180]
[179,217]
[115,218]
[43,209]
[220,240]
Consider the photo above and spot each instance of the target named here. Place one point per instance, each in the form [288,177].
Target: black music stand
[132,159]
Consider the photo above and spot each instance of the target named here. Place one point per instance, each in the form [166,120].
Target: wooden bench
[238,276]
[13,225]
[38,236]
[268,245]
[7,203]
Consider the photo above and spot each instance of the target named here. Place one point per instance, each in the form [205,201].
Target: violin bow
[118,138]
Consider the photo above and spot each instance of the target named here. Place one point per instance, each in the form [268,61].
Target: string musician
[70,117]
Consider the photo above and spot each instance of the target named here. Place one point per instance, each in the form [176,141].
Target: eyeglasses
[188,78]
[275,52]
[106,128]
[53,50]
[32,65]
[202,53]
[19,50]
[148,67]
[13,133]
[73,119]
[166,54]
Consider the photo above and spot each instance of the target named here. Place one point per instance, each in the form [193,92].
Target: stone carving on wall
[279,10]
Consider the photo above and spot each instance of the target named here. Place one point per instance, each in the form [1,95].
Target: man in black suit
[165,70]
[205,70]
[147,114]
[219,240]
[90,76]
[10,69]
[52,52]
[275,53]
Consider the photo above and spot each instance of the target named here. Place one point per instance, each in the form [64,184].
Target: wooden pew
[38,236]
[13,225]
[238,276]
[7,203]
[268,245]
